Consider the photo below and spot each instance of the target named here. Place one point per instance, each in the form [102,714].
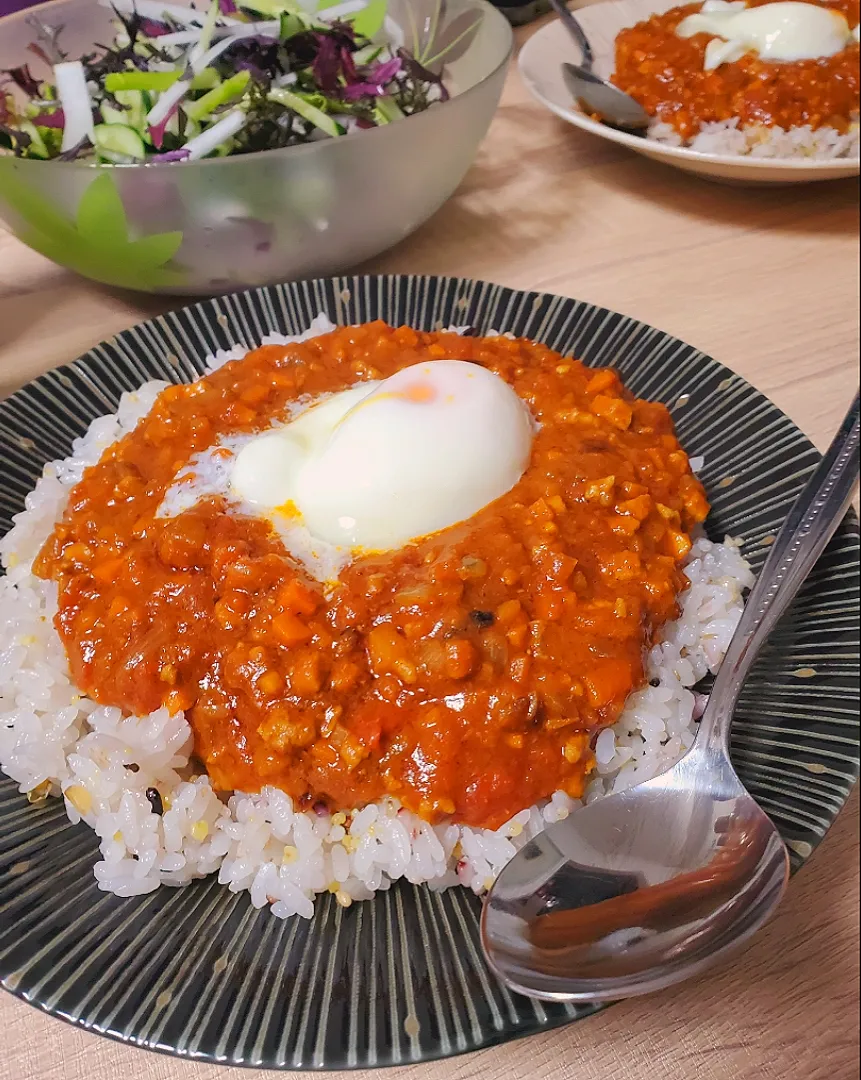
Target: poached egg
[385,463]
[784,31]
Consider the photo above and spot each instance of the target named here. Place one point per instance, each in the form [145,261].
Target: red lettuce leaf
[375,80]
[23,79]
[327,64]
[348,65]
[453,41]
[12,139]
[46,46]
[152,29]
[157,131]
[54,119]
[417,71]
[37,50]
[76,151]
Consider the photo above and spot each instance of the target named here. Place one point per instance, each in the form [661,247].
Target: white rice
[55,740]
[726,137]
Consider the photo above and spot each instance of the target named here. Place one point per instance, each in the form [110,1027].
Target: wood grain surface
[766,280]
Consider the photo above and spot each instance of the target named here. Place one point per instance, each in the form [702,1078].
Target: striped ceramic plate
[198,971]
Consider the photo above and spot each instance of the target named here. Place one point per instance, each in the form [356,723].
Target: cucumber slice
[133,111]
[291,25]
[307,111]
[112,115]
[119,139]
[387,110]
[135,103]
[38,147]
[207,79]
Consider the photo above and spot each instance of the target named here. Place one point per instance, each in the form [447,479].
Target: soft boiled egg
[785,31]
[384,463]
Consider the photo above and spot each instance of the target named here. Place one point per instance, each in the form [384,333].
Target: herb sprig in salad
[179,84]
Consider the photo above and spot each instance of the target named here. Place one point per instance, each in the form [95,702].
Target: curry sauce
[465,674]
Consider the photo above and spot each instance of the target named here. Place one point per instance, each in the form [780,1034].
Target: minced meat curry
[466,674]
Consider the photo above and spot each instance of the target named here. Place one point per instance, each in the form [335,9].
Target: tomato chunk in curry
[467,674]
[665,73]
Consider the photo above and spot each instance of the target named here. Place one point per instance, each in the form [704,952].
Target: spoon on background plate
[593,94]
[649,886]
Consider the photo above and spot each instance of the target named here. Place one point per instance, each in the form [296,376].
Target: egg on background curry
[737,77]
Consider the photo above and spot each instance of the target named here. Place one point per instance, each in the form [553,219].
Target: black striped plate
[198,972]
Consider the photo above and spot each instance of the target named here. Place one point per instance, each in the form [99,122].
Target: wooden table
[764,280]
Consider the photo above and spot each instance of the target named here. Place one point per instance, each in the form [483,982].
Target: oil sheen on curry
[466,671]
[681,67]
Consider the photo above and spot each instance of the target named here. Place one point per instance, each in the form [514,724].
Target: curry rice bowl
[159,822]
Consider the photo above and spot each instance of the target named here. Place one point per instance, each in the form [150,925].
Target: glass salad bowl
[219,224]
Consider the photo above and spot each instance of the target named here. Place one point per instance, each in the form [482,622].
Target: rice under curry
[418,717]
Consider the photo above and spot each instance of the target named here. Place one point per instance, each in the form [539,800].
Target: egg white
[785,31]
[372,468]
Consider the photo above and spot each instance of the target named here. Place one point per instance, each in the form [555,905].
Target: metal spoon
[594,95]
[649,886]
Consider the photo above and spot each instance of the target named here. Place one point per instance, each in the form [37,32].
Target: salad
[178,83]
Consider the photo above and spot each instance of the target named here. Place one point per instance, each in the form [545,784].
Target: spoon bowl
[651,885]
[594,95]
[668,877]
[597,97]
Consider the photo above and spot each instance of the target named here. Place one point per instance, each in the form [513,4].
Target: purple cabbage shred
[171,155]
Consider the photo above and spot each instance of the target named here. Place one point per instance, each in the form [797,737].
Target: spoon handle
[811,523]
[576,31]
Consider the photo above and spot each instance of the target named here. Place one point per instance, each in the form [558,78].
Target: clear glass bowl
[228,223]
